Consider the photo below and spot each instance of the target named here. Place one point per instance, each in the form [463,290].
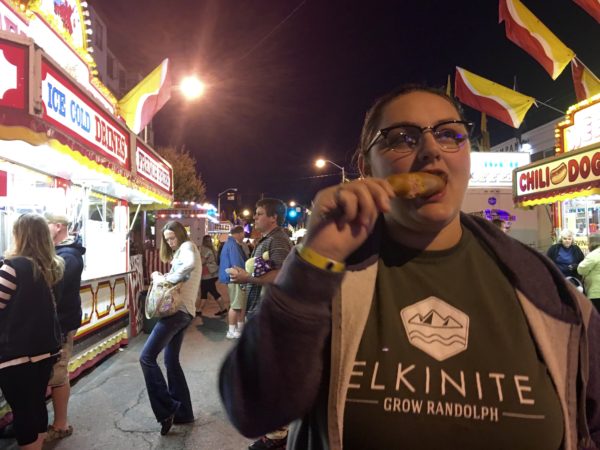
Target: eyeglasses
[405,138]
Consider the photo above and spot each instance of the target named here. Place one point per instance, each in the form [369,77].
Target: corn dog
[416,184]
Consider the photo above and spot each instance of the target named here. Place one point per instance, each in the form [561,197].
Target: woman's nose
[429,149]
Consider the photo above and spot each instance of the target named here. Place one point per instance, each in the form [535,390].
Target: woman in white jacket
[171,403]
[589,269]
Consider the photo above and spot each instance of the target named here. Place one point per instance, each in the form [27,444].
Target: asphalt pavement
[109,407]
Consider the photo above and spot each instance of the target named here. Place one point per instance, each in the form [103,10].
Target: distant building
[539,142]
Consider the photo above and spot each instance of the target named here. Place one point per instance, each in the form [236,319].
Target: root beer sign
[572,172]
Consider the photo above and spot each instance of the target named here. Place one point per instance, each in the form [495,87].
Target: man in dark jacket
[69,315]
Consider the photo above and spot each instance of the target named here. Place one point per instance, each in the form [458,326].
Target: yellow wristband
[320,261]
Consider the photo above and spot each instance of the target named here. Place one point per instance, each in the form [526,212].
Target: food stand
[489,195]
[64,149]
[570,180]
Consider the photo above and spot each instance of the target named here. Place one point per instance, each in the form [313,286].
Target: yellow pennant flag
[526,30]
[586,83]
[495,100]
[140,104]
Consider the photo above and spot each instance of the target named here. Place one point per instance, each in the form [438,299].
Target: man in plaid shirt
[268,218]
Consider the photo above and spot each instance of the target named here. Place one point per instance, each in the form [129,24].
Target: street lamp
[219,199]
[320,163]
[191,87]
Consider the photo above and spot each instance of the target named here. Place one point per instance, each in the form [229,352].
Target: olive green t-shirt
[447,360]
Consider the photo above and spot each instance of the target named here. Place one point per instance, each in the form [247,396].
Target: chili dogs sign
[573,172]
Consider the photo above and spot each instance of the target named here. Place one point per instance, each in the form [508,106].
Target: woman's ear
[363,165]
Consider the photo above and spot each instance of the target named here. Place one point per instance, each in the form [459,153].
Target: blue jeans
[175,398]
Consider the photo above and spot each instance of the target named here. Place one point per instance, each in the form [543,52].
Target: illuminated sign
[69,109]
[495,169]
[151,168]
[561,174]
[66,17]
[585,129]
[51,41]
[11,21]
[13,74]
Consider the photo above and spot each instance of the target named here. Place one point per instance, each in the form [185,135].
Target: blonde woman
[29,328]
[566,254]
[171,403]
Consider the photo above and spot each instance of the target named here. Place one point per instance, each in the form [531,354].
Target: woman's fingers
[361,202]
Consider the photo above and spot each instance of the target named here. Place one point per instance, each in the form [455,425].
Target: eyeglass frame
[382,132]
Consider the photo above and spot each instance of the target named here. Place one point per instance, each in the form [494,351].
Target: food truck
[64,149]
[490,196]
[569,181]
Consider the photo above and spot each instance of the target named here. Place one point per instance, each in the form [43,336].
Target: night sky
[286,87]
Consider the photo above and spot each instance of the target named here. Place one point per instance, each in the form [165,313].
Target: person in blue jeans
[171,403]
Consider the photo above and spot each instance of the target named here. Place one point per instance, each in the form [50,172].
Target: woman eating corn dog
[403,323]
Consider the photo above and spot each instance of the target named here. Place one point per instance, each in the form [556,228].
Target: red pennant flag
[586,83]
[526,30]
[592,7]
[495,100]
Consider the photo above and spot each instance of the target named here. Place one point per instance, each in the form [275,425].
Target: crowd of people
[387,299]
[404,323]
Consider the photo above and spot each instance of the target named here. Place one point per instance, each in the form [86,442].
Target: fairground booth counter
[63,149]
[570,180]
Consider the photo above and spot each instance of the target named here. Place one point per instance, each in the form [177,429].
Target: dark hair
[166,252]
[273,207]
[207,241]
[236,229]
[373,116]
[594,241]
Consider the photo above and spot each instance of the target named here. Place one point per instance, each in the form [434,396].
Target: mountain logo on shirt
[435,327]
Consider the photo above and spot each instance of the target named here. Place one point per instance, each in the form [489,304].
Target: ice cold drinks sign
[70,110]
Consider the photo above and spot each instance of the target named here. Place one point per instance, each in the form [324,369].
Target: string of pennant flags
[525,30]
[502,103]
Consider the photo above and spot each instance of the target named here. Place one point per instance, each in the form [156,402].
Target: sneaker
[264,443]
[232,335]
[54,434]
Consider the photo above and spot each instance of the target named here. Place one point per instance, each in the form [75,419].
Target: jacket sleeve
[225,262]
[593,387]
[274,373]
[8,285]
[188,258]
[588,264]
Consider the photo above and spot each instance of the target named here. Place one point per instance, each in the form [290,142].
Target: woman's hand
[343,216]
